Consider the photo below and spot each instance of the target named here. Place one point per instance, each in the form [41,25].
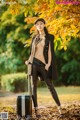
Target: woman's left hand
[47,66]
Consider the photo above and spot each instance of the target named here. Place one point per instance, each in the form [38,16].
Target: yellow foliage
[15,8]
[27,43]
[61,20]
[30,19]
[32,29]
[72,26]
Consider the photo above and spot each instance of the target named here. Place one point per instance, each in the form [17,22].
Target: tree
[13,34]
[62,20]
[69,63]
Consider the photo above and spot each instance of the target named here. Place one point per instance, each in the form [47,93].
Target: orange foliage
[62,20]
[30,19]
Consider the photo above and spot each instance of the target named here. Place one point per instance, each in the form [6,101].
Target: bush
[16,82]
[68,63]
[41,83]
[0,81]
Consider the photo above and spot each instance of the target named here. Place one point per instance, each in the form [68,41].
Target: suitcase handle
[30,84]
[30,88]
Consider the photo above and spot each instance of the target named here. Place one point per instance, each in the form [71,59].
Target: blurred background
[16,29]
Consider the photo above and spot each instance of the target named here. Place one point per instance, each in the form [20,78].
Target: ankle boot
[59,110]
[36,112]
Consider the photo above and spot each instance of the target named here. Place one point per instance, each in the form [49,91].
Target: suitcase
[24,102]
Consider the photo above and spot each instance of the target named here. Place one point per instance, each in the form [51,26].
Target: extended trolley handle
[29,76]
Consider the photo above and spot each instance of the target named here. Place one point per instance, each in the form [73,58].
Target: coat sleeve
[53,61]
[30,56]
[31,43]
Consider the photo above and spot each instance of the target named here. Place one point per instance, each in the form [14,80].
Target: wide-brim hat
[40,19]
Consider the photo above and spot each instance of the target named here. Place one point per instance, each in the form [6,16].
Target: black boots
[59,110]
[37,113]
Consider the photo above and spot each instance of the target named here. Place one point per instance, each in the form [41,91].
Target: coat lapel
[52,71]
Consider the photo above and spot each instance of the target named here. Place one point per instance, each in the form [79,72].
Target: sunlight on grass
[61,90]
[66,95]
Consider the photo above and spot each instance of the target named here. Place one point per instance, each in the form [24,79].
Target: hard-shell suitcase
[24,102]
[24,106]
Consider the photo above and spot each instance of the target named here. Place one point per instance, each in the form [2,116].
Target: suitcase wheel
[18,117]
[28,117]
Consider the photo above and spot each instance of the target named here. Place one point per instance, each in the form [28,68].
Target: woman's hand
[47,66]
[26,62]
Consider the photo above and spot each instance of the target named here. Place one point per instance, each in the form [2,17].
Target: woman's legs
[41,69]
[49,83]
[34,96]
[35,78]
[50,86]
[52,89]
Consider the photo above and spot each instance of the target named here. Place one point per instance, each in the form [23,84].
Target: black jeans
[39,67]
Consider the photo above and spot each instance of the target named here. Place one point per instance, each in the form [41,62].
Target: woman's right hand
[26,62]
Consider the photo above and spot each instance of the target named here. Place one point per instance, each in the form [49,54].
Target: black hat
[40,19]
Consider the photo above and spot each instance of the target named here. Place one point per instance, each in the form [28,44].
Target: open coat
[52,71]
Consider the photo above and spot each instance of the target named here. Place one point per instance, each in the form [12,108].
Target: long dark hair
[46,31]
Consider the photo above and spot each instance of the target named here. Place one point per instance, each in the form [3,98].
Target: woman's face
[40,26]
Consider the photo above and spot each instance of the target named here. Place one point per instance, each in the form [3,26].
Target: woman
[42,60]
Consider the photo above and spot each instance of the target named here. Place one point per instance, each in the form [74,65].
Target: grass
[69,98]
[66,95]
[61,90]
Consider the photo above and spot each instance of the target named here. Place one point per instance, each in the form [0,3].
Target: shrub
[68,63]
[0,81]
[16,82]
[41,83]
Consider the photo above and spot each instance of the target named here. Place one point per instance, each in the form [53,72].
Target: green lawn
[61,90]
[66,95]
[69,98]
